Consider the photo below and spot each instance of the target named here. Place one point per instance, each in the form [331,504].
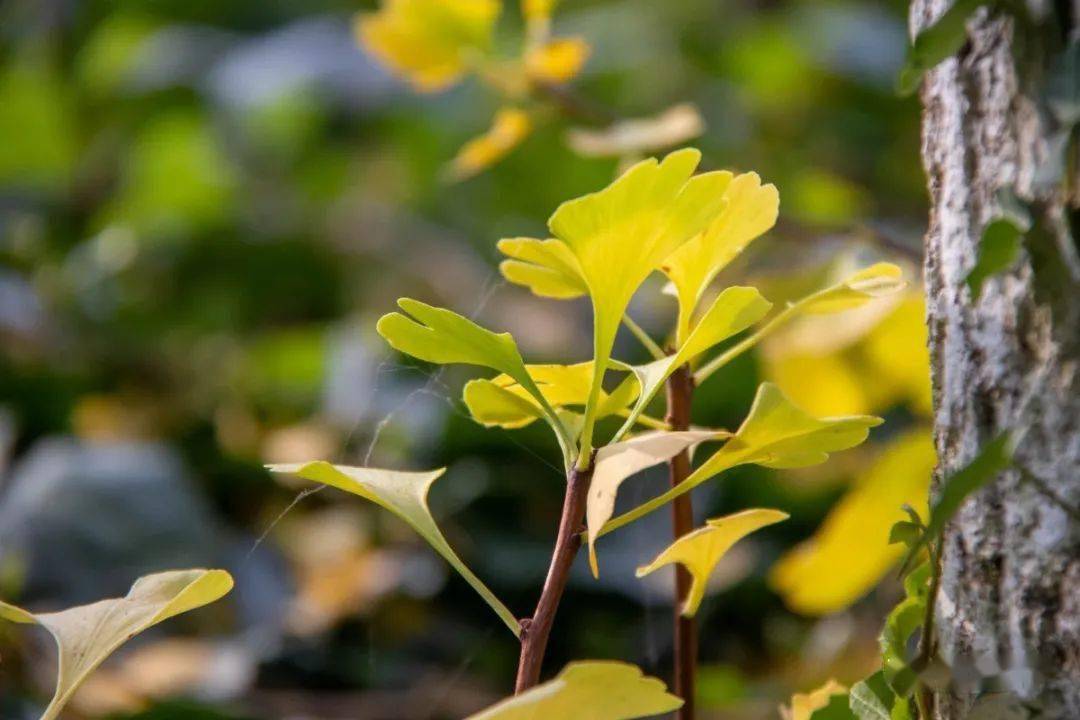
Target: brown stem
[680,393]
[536,630]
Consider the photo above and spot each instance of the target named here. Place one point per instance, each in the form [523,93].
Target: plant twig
[643,337]
[536,630]
[680,393]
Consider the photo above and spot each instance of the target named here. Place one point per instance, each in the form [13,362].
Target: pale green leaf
[700,550]
[622,233]
[616,462]
[88,634]
[405,495]
[878,280]
[547,267]
[775,434]
[751,210]
[588,690]
[872,699]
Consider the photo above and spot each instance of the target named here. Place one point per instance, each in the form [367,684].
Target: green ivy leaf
[935,43]
[588,690]
[88,634]
[999,249]
[838,708]
[872,699]
[405,495]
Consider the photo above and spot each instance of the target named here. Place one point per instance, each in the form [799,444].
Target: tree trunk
[1010,589]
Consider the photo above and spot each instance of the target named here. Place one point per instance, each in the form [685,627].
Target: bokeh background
[204,206]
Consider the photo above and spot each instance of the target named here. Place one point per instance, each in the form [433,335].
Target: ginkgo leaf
[620,234]
[700,550]
[616,462]
[88,634]
[547,267]
[804,705]
[558,60]
[405,495]
[676,125]
[429,41]
[502,402]
[588,690]
[751,210]
[440,336]
[878,280]
[734,310]
[775,434]
[508,129]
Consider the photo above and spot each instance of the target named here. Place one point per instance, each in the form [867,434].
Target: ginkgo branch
[642,336]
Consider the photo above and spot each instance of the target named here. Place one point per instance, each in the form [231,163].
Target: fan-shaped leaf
[547,267]
[775,434]
[702,549]
[88,634]
[618,461]
[589,690]
[405,495]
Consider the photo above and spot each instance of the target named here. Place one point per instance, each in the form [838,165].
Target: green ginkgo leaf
[405,495]
[751,210]
[88,634]
[734,310]
[622,233]
[618,461]
[700,550]
[547,267]
[441,336]
[502,402]
[775,434]
[588,690]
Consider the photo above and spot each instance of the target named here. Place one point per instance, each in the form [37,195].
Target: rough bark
[1010,588]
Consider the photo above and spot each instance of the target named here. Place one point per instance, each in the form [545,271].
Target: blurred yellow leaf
[700,550]
[620,234]
[750,211]
[618,461]
[558,60]
[88,634]
[775,434]
[804,705]
[429,42]
[405,495]
[898,353]
[509,128]
[676,125]
[823,384]
[850,553]
[588,690]
[538,9]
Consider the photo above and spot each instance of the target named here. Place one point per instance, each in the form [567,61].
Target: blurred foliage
[204,207]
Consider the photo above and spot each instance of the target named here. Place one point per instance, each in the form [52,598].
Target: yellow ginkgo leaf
[898,355]
[734,310]
[502,402]
[620,234]
[822,384]
[751,210]
[850,553]
[547,267]
[405,495]
[429,41]
[804,705]
[558,60]
[676,125]
[509,128]
[775,434]
[618,461]
[88,634]
[700,550]
[588,690]
[878,280]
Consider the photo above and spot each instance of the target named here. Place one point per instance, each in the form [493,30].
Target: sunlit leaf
[734,310]
[676,125]
[803,705]
[700,550]
[429,42]
[88,634]
[405,495]
[502,402]
[775,434]
[618,461]
[538,9]
[588,690]
[620,234]
[440,336]
[557,60]
[751,210]
[508,129]
[547,267]
[851,551]
[878,280]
